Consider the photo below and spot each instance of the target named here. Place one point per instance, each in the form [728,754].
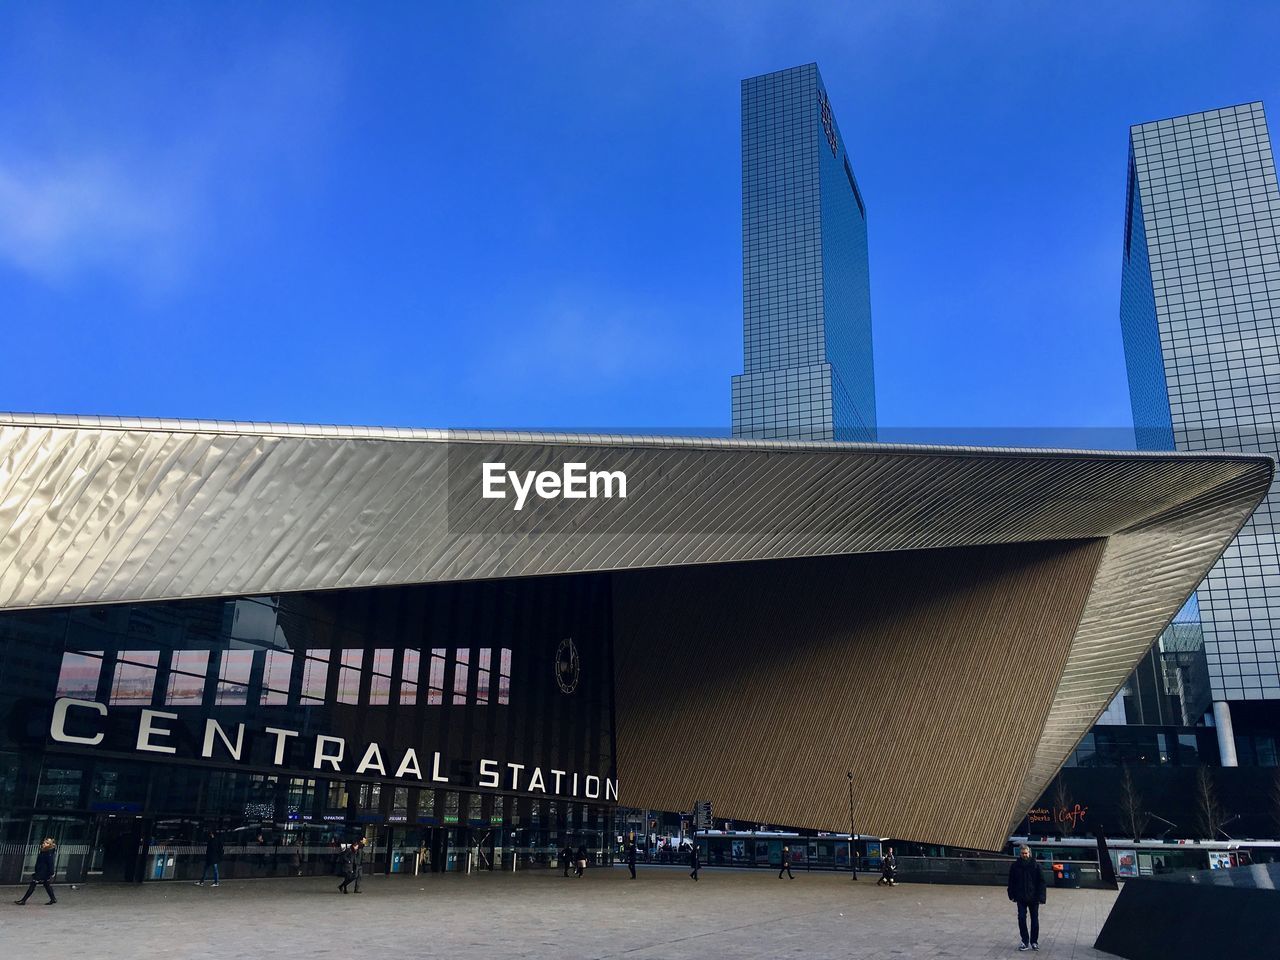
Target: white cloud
[145,196]
[57,219]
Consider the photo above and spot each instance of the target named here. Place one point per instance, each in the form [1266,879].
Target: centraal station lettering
[291,749]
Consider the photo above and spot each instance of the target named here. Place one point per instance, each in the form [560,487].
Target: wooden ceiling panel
[928,673]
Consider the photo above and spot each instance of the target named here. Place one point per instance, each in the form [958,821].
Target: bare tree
[1132,814]
[1209,813]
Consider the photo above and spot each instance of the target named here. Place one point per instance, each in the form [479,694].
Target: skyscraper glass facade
[807,353]
[1200,308]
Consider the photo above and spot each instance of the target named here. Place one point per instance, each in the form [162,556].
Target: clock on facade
[568,668]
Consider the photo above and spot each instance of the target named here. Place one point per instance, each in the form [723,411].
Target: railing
[984,871]
[186,862]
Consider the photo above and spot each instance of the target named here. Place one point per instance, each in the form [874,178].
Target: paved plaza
[727,915]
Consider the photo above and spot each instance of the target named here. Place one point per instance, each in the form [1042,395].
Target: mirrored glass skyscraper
[807,357]
[1200,312]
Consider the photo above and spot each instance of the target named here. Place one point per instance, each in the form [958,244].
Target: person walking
[357,861]
[347,866]
[212,857]
[582,860]
[888,869]
[566,857]
[631,857]
[46,864]
[694,861]
[261,843]
[786,863]
[1027,890]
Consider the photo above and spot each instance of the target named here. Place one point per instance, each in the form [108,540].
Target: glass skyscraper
[807,356]
[1200,313]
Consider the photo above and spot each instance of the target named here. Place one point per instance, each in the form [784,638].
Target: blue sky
[529,214]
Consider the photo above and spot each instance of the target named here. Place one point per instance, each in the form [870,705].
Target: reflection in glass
[276,672]
[380,678]
[233,677]
[338,795]
[409,677]
[1265,750]
[315,676]
[1188,754]
[482,676]
[504,677]
[187,672]
[435,690]
[135,677]
[59,788]
[349,676]
[79,675]
[197,659]
[461,662]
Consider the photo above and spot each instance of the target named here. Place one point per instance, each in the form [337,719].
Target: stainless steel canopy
[101,510]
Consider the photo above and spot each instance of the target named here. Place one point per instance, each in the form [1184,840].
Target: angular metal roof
[103,510]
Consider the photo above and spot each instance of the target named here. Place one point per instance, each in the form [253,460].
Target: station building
[293,635]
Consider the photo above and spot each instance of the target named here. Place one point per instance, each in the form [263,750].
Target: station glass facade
[454,726]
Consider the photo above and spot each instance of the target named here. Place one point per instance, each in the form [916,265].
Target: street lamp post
[853,853]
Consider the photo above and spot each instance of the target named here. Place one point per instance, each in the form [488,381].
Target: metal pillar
[1226,735]
[853,850]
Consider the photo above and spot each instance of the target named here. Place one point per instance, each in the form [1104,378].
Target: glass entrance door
[483,849]
[438,843]
[120,849]
[407,850]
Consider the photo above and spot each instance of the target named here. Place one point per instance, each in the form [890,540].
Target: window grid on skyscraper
[1200,312]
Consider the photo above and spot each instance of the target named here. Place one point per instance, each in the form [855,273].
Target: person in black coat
[44,871]
[212,857]
[631,857]
[888,868]
[694,861]
[357,860]
[786,863]
[347,865]
[1027,890]
[582,859]
[566,856]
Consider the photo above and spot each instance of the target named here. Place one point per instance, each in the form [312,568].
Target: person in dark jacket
[43,873]
[1027,890]
[347,865]
[357,861]
[694,861]
[888,868]
[786,863]
[566,857]
[582,860]
[631,857]
[212,857]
